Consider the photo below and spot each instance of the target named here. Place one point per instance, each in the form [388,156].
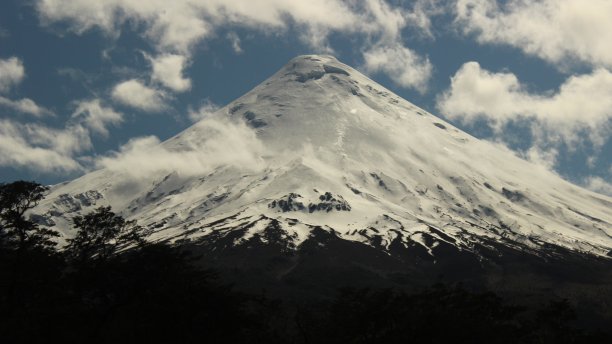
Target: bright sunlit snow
[321,145]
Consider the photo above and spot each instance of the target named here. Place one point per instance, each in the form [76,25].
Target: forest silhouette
[109,284]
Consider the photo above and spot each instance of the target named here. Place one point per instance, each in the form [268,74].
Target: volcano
[342,181]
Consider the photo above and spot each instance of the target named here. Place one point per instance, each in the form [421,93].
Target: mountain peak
[343,154]
[312,60]
[314,67]
[319,101]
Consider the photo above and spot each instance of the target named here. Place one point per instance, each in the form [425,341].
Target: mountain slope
[332,150]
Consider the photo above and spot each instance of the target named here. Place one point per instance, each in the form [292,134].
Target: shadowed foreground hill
[110,286]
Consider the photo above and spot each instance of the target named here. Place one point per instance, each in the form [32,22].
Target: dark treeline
[109,285]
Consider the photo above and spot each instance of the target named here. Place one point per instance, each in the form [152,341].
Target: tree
[101,234]
[17,232]
[28,260]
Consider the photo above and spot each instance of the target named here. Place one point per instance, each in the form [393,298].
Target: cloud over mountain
[175,29]
[559,31]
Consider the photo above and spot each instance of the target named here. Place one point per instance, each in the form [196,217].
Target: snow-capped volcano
[320,149]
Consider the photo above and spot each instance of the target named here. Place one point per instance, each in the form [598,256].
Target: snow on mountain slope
[320,146]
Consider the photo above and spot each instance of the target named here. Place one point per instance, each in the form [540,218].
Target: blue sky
[80,78]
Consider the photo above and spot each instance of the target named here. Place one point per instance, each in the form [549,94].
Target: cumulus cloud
[40,148]
[558,31]
[11,73]
[177,27]
[26,106]
[500,97]
[212,143]
[135,94]
[168,70]
[96,117]
[578,113]
[405,67]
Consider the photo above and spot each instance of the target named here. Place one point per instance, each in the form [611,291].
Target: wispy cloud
[4,33]
[39,148]
[235,41]
[25,106]
[204,111]
[599,185]
[96,117]
[12,73]
[211,143]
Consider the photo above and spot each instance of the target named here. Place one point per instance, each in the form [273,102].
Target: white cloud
[405,67]
[500,97]
[40,148]
[207,109]
[599,185]
[50,150]
[316,38]
[235,40]
[70,140]
[391,19]
[135,94]
[422,13]
[11,73]
[559,31]
[543,157]
[475,92]
[168,70]
[579,112]
[93,115]
[34,146]
[216,142]
[26,106]
[176,27]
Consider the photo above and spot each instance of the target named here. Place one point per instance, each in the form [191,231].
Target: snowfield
[320,146]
